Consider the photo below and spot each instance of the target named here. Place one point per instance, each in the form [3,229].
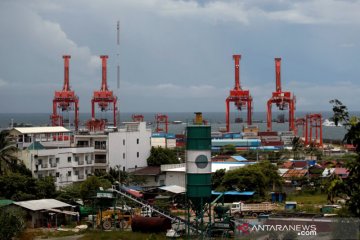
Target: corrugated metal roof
[236,193]
[5,202]
[173,188]
[29,130]
[239,158]
[42,204]
[295,173]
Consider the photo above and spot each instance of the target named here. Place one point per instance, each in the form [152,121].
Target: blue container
[228,135]
[158,135]
[237,135]
[170,136]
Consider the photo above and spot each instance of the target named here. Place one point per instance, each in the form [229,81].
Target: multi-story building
[129,147]
[54,151]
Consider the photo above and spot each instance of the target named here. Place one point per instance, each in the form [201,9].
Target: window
[57,160]
[137,154]
[123,155]
[124,142]
[69,159]
[137,141]
[100,145]
[57,174]
[86,171]
[76,158]
[69,173]
[99,158]
[76,172]
[86,157]
[51,160]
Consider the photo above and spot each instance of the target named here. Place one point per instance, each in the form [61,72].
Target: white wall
[175,178]
[130,147]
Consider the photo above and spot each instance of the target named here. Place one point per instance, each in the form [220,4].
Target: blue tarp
[234,193]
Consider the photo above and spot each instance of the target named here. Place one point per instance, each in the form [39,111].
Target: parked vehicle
[239,209]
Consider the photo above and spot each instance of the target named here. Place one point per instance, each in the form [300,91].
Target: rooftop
[150,171]
[295,173]
[42,204]
[34,130]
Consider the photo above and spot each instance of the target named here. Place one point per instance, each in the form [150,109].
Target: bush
[11,223]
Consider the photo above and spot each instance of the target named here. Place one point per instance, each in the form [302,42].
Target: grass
[308,198]
[121,235]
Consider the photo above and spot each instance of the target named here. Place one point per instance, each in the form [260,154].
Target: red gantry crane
[65,100]
[161,119]
[283,100]
[104,98]
[300,122]
[240,97]
[137,117]
[313,121]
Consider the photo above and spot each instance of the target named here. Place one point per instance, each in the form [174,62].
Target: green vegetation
[308,198]
[258,177]
[159,156]
[11,223]
[228,149]
[350,186]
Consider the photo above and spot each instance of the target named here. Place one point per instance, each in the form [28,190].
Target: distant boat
[328,123]
[177,122]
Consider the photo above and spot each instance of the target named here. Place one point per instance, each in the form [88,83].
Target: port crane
[137,117]
[313,122]
[104,99]
[300,122]
[65,100]
[161,119]
[284,100]
[240,97]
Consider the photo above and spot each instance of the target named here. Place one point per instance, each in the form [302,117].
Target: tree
[91,185]
[69,193]
[159,156]
[217,178]
[228,149]
[8,160]
[297,148]
[352,125]
[11,223]
[46,187]
[18,187]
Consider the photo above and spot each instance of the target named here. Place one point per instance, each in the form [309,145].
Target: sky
[176,55]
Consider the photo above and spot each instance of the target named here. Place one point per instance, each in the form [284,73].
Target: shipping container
[270,138]
[268,134]
[158,135]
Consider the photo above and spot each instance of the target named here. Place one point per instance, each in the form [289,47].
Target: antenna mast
[118,68]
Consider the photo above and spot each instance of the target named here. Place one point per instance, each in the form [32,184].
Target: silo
[198,166]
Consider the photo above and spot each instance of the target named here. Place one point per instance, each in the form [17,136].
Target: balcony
[81,162]
[43,166]
[81,177]
[53,165]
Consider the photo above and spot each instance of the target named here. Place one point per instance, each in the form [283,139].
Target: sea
[215,119]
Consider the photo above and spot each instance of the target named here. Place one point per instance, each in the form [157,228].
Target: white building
[130,147]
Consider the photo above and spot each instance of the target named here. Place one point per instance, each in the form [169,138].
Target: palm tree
[8,160]
[297,148]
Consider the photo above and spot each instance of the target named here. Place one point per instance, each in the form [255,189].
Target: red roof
[342,172]
[287,164]
[295,173]
[299,164]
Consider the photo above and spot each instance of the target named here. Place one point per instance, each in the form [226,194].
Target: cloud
[347,45]
[2,82]
[173,91]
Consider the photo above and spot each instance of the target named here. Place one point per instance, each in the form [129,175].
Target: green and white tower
[198,166]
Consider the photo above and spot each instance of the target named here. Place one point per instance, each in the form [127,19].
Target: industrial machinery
[65,100]
[104,98]
[161,120]
[240,97]
[283,100]
[198,172]
[253,209]
[137,117]
[113,218]
[313,123]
